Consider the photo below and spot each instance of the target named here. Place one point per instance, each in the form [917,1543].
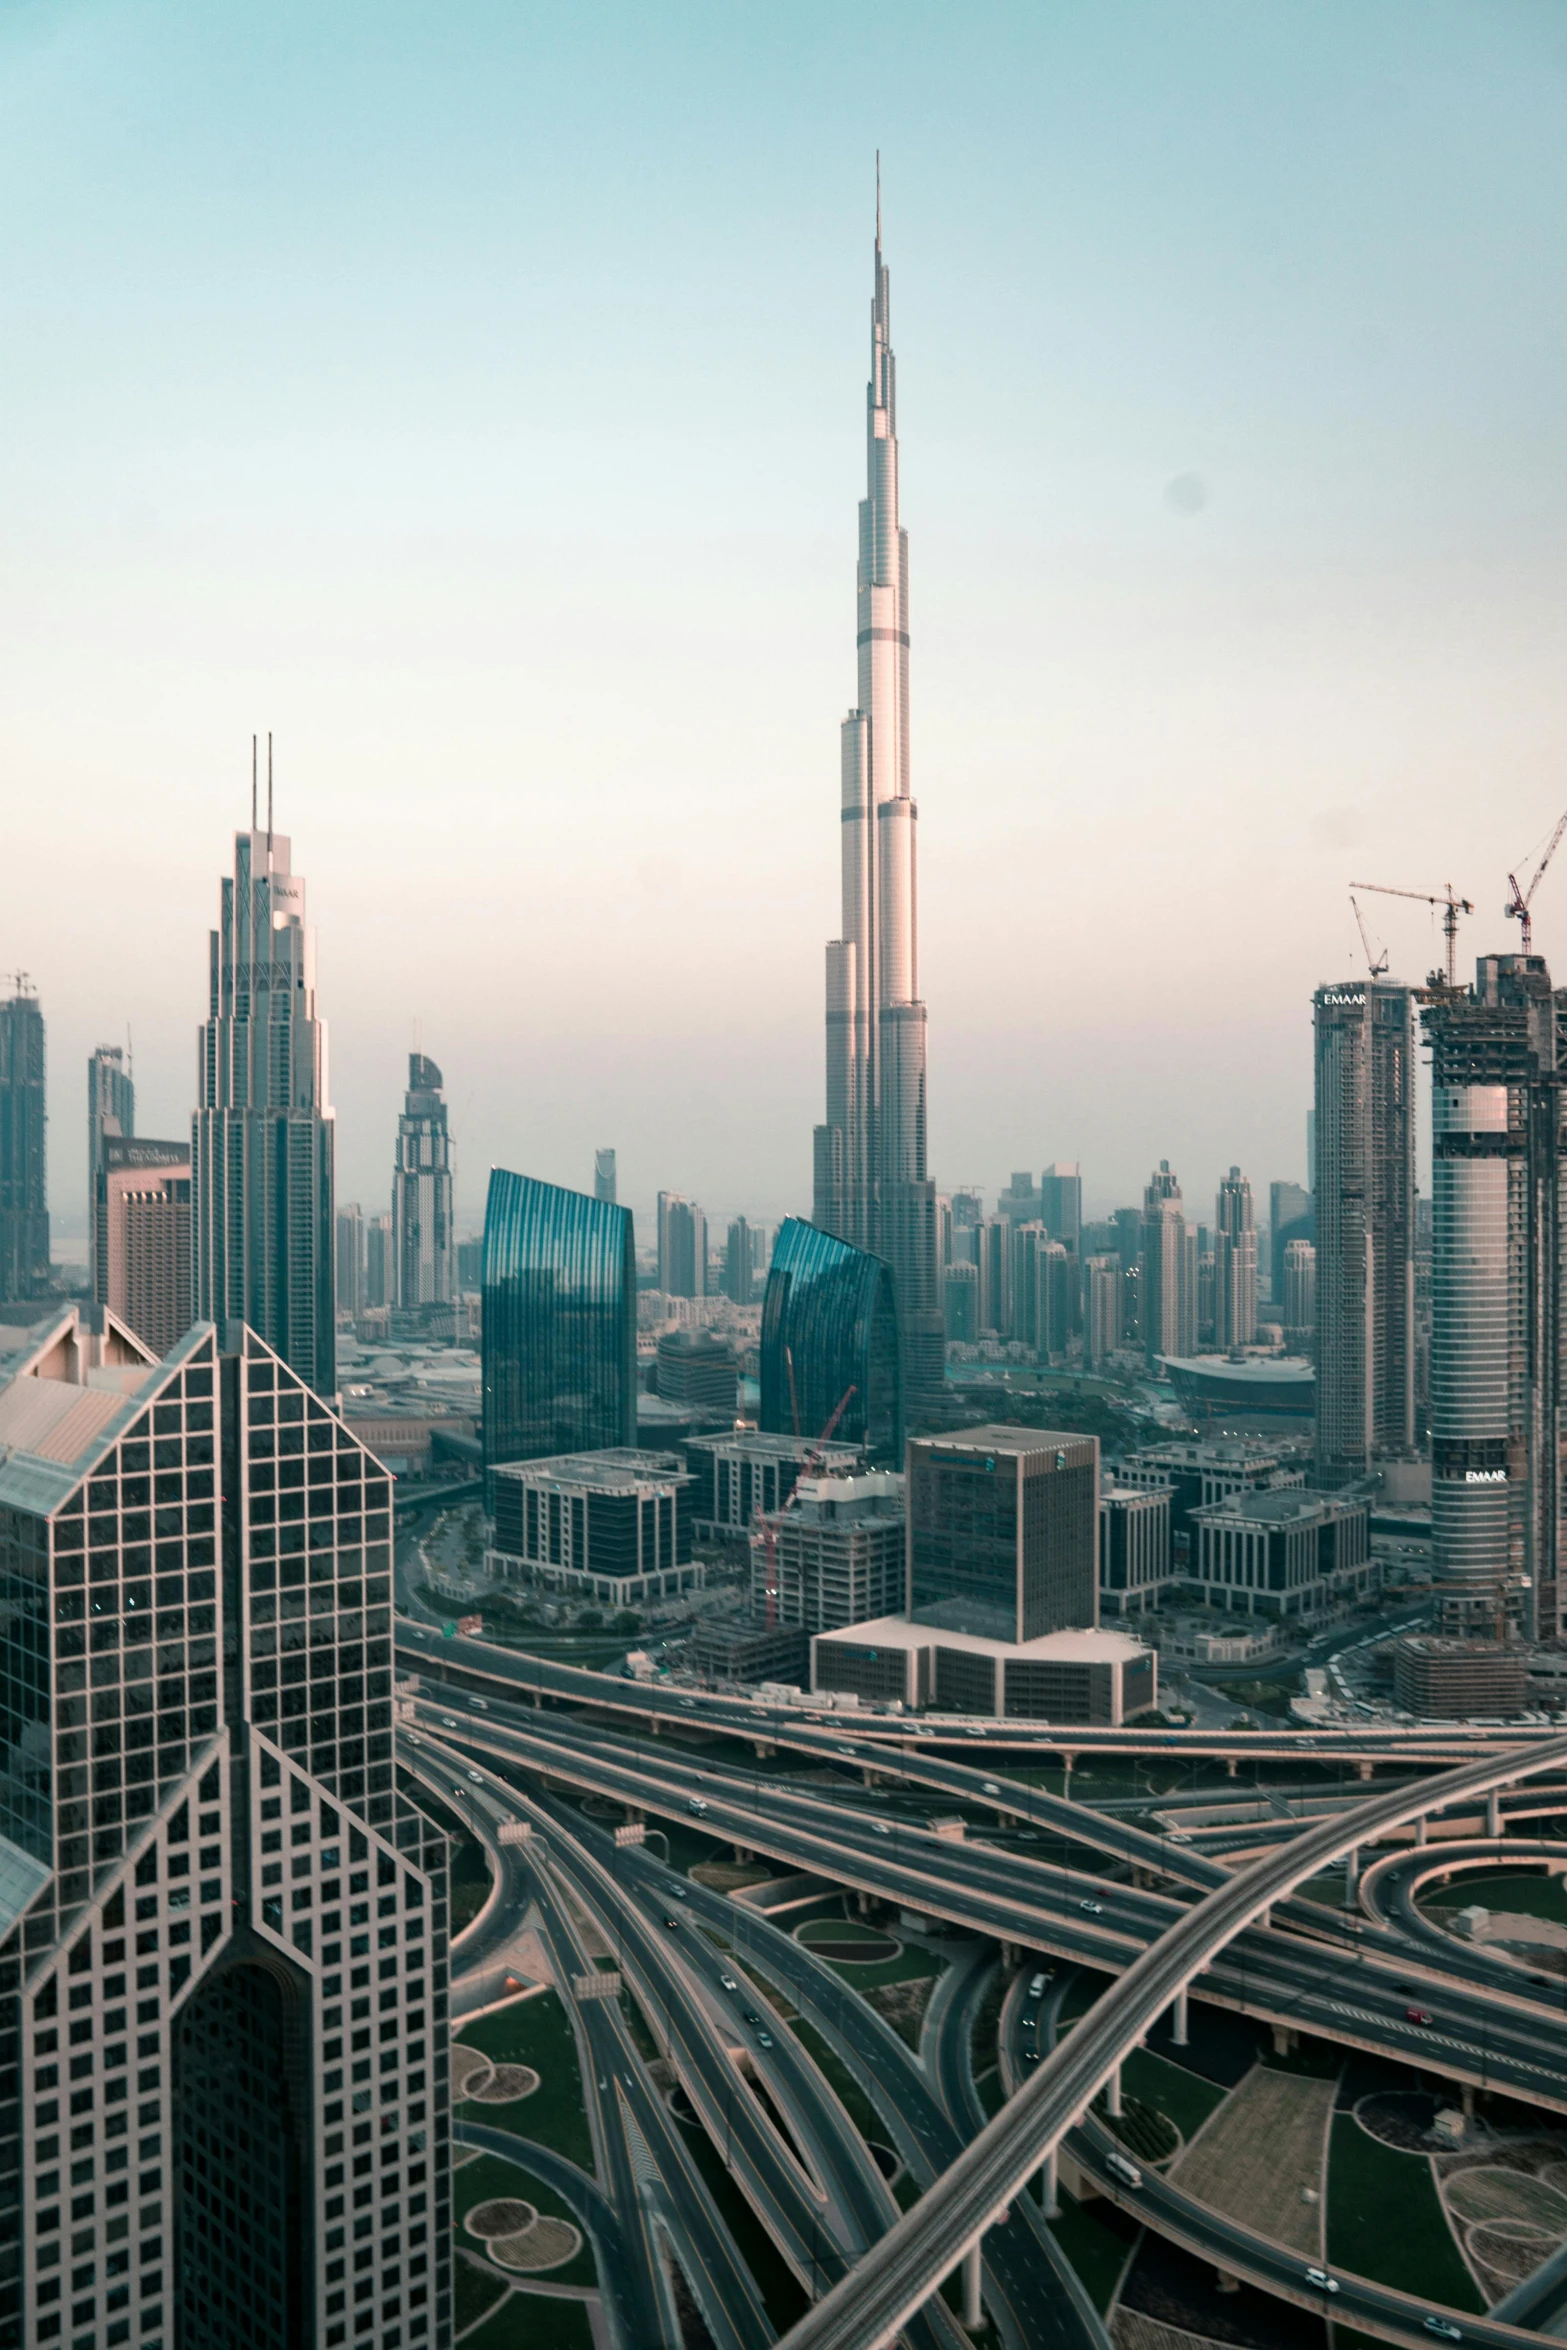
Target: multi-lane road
[1164,1917]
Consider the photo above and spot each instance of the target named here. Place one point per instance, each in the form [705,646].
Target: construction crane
[769,1524]
[1517,906]
[1451,907]
[1376,964]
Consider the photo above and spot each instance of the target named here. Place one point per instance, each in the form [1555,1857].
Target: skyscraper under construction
[871,1184]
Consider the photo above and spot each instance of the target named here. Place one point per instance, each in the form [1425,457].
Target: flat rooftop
[619,1468]
[1003,1436]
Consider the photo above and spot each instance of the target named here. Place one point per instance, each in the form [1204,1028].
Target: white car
[991,1788]
[477,1777]
[1323,2282]
[881,1827]
[729,1982]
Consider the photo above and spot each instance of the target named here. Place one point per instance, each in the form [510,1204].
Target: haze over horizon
[479,406]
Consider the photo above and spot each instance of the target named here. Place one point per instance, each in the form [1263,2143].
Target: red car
[1418,2015]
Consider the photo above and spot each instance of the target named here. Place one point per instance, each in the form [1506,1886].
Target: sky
[474,398]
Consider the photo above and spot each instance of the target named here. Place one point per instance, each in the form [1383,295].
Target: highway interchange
[939,1828]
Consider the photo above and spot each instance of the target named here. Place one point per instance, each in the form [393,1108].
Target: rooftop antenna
[269,791]
[878,199]
[252,783]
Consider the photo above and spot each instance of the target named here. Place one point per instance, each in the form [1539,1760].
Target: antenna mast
[269,791]
[252,783]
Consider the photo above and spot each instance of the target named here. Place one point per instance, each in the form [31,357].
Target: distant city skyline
[1241,493]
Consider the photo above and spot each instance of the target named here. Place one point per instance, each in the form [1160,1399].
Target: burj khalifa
[871,1187]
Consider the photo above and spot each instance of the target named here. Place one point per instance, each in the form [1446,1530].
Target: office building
[872,1189]
[1448,1680]
[1283,1553]
[422,1191]
[682,1246]
[1297,1306]
[1094,1676]
[1136,1565]
[351,1261]
[1196,1474]
[265,1227]
[1168,1267]
[1234,1265]
[960,1303]
[741,1250]
[1496,1300]
[1364,1226]
[560,1322]
[144,1226]
[1003,1531]
[698,1367]
[1290,1217]
[604,1176]
[24,1191]
[1061,1204]
[111,1110]
[1019,1203]
[1102,1310]
[381,1261]
[993,1263]
[743,1473]
[470,1262]
[830,1359]
[610,1525]
[836,1556]
[749,1649]
[223,2121]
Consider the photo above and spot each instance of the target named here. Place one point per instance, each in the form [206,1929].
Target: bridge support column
[1363,1768]
[1178,2018]
[1068,1764]
[1352,1878]
[1113,2105]
[1466,2090]
[973,2306]
[1285,2038]
[1420,1829]
[1230,1762]
[1493,1815]
[1049,2194]
[864,1901]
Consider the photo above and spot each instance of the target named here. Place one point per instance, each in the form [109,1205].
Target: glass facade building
[560,1321]
[829,1325]
[1003,1532]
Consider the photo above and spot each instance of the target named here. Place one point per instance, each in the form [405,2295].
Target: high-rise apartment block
[1102,1289]
[559,1345]
[111,1110]
[1168,1270]
[222,1930]
[872,1188]
[1365,1224]
[262,1136]
[1297,1307]
[422,1191]
[380,1261]
[741,1251]
[1061,1204]
[682,1246]
[144,1237]
[1289,1218]
[1234,1265]
[1003,1532]
[351,1260]
[1496,1298]
[24,1191]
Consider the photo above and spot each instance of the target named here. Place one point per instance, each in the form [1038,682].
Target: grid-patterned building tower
[264,1233]
[1364,1187]
[223,2117]
[870,1184]
[111,1111]
[24,1191]
[422,1190]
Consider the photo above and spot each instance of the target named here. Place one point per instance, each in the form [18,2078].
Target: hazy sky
[474,396]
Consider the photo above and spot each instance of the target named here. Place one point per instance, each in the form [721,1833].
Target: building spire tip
[878,200]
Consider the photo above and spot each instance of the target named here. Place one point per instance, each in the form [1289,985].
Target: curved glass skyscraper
[560,1321]
[829,1326]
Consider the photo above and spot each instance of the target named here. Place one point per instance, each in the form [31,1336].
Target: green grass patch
[1368,2184]
[782,2296]
[1530,1897]
[470,1882]
[474,2291]
[910,1963]
[991,2095]
[832,2068]
[534,2321]
[905,2190]
[1170,2089]
[1095,2238]
[536,2031]
[490,2176]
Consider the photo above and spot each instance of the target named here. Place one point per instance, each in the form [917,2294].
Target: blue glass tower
[560,1321]
[829,1324]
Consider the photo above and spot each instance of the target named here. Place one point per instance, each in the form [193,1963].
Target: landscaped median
[530,2035]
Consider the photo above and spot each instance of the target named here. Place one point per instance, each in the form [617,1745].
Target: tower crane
[1517,906]
[769,1523]
[1376,964]
[1451,907]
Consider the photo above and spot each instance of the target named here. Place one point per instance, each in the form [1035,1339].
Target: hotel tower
[871,1185]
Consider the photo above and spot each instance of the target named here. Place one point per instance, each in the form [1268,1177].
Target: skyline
[402,518]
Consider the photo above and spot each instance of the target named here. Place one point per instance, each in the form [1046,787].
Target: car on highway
[697,1807]
[881,1827]
[728,1983]
[751,2016]
[480,1704]
[1418,2015]
[764,2039]
[991,1788]
[1323,2282]
[1031,2056]
[447,1723]
[1445,2328]
[477,1777]
[672,1924]
[1036,1986]
[1118,2165]
[1093,1909]
[972,1730]
[689,1703]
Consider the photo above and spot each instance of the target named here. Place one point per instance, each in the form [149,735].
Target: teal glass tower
[560,1321]
[830,1339]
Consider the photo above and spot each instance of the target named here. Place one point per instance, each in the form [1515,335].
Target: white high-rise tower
[871,1186]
